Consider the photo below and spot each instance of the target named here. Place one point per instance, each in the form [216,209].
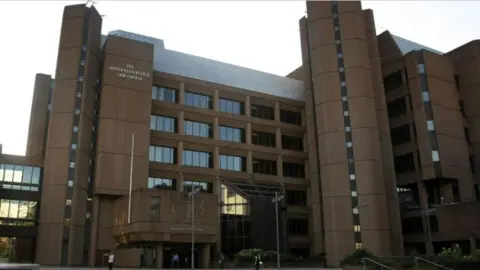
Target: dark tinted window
[289,117]
[198,100]
[264,112]
[265,166]
[230,106]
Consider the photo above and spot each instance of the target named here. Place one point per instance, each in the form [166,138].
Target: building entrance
[184,252]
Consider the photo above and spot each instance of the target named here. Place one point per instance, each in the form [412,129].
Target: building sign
[129,72]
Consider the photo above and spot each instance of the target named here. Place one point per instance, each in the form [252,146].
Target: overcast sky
[253,34]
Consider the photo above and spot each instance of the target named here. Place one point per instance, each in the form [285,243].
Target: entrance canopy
[252,190]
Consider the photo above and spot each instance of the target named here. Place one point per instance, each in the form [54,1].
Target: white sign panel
[129,72]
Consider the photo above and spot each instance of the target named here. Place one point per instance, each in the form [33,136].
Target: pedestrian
[220,260]
[175,261]
[257,261]
[186,262]
[111,260]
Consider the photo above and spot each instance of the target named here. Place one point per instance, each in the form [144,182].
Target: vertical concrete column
[215,100]
[180,181]
[179,153]
[93,237]
[180,124]
[206,256]
[278,138]
[216,158]
[280,167]
[181,93]
[277,111]
[159,256]
[250,162]
[248,134]
[216,129]
[247,106]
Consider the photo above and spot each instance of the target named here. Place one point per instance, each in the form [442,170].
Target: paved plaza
[104,268]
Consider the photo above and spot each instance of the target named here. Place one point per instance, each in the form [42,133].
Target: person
[186,262]
[220,260]
[257,262]
[175,261]
[111,260]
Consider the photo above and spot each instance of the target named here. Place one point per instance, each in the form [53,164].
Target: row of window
[205,130]
[17,209]
[19,174]
[224,105]
[165,154]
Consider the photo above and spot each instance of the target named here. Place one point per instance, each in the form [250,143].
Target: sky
[254,34]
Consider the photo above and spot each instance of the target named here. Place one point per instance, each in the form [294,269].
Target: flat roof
[192,66]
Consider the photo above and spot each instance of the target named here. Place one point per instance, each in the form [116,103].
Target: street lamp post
[191,194]
[427,212]
[275,201]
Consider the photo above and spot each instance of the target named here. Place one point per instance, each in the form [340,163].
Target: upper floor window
[232,134]
[164,93]
[18,209]
[289,117]
[292,143]
[264,112]
[161,183]
[393,81]
[421,68]
[230,106]
[396,108]
[404,163]
[265,166]
[232,163]
[198,100]
[263,138]
[162,154]
[296,170]
[162,123]
[189,185]
[198,129]
[197,159]
[296,197]
[20,177]
[400,135]
[298,226]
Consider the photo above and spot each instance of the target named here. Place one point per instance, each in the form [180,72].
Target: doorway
[184,255]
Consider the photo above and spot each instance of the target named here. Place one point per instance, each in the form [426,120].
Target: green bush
[247,256]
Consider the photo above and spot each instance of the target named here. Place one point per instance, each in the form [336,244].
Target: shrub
[356,258]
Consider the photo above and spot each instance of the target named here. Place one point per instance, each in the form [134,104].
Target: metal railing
[416,259]
[383,266]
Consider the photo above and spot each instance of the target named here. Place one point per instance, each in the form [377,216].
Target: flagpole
[130,180]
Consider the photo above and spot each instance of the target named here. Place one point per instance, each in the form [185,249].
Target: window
[298,226]
[197,159]
[400,135]
[232,134]
[198,100]
[435,156]
[232,163]
[162,154]
[293,170]
[457,81]
[198,129]
[292,143]
[296,197]
[162,123]
[425,96]
[155,208]
[430,125]
[404,163]
[263,138]
[164,93]
[289,117]
[265,166]
[421,68]
[393,81]
[189,185]
[161,183]
[230,106]
[17,209]
[19,177]
[396,108]
[263,112]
